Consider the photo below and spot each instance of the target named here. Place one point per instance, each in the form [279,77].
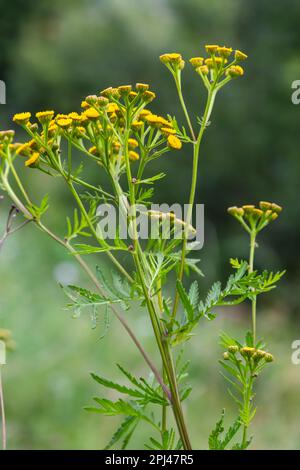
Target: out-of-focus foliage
[54,53]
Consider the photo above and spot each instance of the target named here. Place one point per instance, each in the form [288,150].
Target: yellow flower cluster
[249,353]
[103,119]
[257,217]
[217,62]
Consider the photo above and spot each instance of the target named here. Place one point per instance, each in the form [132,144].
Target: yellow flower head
[172,58]
[264,205]
[91,113]
[45,116]
[6,136]
[196,61]
[110,92]
[224,51]
[132,95]
[84,104]
[22,118]
[239,55]
[148,96]
[211,48]
[157,121]
[276,208]
[33,159]
[142,86]
[112,108]
[64,122]
[93,150]
[235,71]
[132,143]
[144,113]
[133,155]
[202,70]
[137,125]
[76,118]
[174,142]
[24,149]
[167,131]
[236,211]
[124,89]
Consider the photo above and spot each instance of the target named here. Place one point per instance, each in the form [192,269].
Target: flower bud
[239,55]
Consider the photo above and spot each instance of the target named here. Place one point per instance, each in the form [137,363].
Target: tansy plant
[116,133]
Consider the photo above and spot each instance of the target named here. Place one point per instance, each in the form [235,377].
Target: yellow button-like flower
[174,142]
[203,70]
[148,96]
[112,108]
[92,114]
[137,125]
[235,71]
[76,118]
[196,61]
[33,159]
[124,89]
[211,48]
[132,143]
[64,122]
[173,58]
[142,86]
[224,51]
[84,104]
[144,113]
[22,118]
[167,131]
[133,155]
[23,149]
[239,55]
[45,116]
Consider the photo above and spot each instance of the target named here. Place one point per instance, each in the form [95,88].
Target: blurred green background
[52,55]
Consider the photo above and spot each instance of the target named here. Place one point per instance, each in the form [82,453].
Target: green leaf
[188,306]
[214,441]
[124,428]
[115,386]
[194,294]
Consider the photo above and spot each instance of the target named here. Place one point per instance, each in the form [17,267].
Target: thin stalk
[196,152]
[177,77]
[2,412]
[251,266]
[253,234]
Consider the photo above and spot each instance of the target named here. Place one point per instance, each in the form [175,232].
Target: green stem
[177,77]
[196,152]
[251,267]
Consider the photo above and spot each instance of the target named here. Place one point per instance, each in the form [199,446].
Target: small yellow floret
[132,143]
[174,142]
[91,114]
[211,48]
[22,118]
[196,61]
[33,159]
[133,155]
[235,71]
[224,51]
[45,116]
[239,55]
[64,122]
